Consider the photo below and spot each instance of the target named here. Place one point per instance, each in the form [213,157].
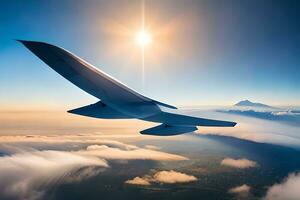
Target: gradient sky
[203,52]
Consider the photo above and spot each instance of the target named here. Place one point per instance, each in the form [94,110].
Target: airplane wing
[86,76]
[117,100]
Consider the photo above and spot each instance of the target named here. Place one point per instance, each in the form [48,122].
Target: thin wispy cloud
[153,147]
[288,112]
[110,153]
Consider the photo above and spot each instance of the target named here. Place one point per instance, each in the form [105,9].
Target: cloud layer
[272,127]
[167,177]
[27,171]
[23,175]
[238,163]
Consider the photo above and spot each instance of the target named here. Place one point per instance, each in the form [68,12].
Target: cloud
[23,175]
[288,189]
[241,191]
[112,153]
[173,177]
[28,169]
[257,127]
[152,147]
[168,177]
[287,112]
[138,181]
[96,146]
[238,163]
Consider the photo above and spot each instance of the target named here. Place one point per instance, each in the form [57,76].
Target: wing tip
[29,44]
[228,124]
[25,41]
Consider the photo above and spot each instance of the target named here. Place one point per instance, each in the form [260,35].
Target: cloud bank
[288,189]
[27,171]
[238,163]
[267,127]
[167,177]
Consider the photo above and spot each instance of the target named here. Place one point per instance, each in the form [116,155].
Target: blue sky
[203,52]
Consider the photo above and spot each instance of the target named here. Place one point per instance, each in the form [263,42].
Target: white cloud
[168,177]
[288,189]
[173,177]
[241,191]
[238,163]
[138,181]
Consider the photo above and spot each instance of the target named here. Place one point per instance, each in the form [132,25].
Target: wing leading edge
[87,77]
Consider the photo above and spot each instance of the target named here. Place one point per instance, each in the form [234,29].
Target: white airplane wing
[117,100]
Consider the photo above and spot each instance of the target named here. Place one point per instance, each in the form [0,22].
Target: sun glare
[143,38]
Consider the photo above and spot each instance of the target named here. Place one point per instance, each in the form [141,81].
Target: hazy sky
[203,52]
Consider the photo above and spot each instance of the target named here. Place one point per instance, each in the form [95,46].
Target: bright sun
[143,38]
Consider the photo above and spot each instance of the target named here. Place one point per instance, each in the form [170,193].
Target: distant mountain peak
[251,104]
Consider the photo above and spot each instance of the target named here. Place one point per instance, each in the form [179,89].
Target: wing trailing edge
[185,120]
